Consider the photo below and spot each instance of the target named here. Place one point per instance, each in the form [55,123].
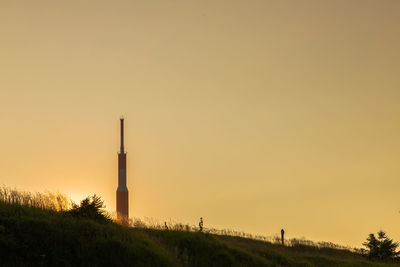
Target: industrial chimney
[122,190]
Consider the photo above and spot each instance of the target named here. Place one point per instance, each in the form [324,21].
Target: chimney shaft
[122,190]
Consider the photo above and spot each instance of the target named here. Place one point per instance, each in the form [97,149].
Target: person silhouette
[282,236]
[201,224]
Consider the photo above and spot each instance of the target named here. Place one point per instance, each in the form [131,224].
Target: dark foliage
[35,237]
[199,249]
[381,248]
[91,207]
[32,236]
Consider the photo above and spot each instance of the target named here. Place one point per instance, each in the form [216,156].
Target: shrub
[381,248]
[91,207]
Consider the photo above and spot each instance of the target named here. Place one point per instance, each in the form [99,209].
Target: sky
[255,115]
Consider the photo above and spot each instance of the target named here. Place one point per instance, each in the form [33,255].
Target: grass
[32,236]
[40,237]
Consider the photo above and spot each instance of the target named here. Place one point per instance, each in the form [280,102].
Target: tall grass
[47,200]
[59,202]
[32,236]
[151,223]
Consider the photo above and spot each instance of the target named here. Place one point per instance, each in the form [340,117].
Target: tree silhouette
[91,207]
[381,248]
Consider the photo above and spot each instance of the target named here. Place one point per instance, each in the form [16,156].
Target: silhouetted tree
[91,207]
[381,248]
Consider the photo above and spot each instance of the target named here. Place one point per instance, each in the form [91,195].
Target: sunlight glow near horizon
[255,115]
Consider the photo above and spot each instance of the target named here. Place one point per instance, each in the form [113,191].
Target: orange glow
[255,115]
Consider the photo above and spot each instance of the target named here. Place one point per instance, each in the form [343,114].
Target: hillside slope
[34,237]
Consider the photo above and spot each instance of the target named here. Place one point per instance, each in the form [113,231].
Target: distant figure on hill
[165,225]
[282,236]
[201,224]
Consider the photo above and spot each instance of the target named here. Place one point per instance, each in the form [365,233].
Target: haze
[255,115]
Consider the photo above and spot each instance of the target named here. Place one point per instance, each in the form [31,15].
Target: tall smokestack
[122,190]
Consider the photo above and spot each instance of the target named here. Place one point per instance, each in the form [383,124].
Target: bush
[381,248]
[91,207]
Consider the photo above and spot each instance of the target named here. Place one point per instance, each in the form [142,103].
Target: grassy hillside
[31,236]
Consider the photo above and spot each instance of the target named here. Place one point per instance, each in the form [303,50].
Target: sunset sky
[256,115]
